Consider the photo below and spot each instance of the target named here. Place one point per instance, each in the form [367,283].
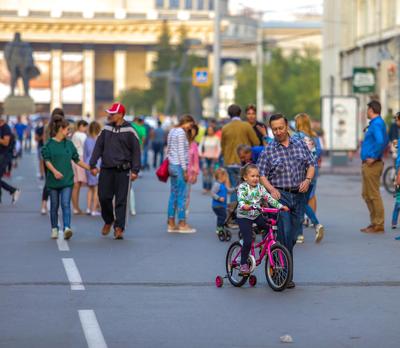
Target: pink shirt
[194,166]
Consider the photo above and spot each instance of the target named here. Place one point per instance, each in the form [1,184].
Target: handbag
[162,171]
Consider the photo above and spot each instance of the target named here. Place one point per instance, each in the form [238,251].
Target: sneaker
[133,212]
[186,229]
[88,212]
[67,233]
[244,270]
[219,229]
[15,196]
[319,233]
[95,213]
[54,233]
[394,227]
[43,211]
[300,239]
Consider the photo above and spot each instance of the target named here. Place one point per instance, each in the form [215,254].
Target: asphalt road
[156,289]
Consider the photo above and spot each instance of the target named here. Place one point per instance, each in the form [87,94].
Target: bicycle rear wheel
[233,265]
[280,273]
[389,176]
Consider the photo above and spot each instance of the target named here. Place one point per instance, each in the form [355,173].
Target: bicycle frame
[268,241]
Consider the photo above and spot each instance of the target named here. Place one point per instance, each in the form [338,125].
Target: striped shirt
[285,167]
[178,147]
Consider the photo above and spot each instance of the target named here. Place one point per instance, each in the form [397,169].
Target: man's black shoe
[291,285]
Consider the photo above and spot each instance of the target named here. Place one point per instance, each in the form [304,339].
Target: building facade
[362,33]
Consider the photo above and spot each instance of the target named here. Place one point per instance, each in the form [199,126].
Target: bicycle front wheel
[278,272]
[389,175]
[233,265]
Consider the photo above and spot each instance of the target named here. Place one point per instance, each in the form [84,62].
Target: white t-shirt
[78,139]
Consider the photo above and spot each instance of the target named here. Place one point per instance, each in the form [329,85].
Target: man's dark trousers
[4,160]
[113,182]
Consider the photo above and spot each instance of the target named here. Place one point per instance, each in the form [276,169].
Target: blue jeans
[220,212]
[65,195]
[177,197]
[309,212]
[290,223]
[208,165]
[396,211]
[234,178]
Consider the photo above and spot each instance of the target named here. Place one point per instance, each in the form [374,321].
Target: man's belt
[288,189]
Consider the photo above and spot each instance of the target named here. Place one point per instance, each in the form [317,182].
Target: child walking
[92,181]
[251,195]
[219,192]
[58,153]
[193,165]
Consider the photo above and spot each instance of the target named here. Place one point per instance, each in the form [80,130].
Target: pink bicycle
[278,263]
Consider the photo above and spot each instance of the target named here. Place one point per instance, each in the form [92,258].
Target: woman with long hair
[178,157]
[305,132]
[209,150]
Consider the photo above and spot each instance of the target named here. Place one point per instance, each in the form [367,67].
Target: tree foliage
[291,84]
[143,101]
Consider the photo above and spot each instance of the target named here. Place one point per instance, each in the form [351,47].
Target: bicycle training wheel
[389,176]
[278,275]
[233,265]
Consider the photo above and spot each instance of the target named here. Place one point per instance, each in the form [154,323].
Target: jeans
[177,197]
[4,161]
[145,156]
[309,212]
[208,171]
[396,211]
[233,173]
[246,228]
[65,195]
[290,223]
[221,215]
[158,149]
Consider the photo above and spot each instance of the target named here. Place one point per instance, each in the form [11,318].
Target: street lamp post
[260,61]
[217,57]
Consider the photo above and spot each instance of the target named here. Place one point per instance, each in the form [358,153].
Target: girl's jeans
[177,198]
[396,211]
[65,195]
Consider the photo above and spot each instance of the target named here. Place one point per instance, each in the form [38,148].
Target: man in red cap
[119,149]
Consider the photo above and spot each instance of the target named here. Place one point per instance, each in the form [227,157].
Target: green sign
[363,80]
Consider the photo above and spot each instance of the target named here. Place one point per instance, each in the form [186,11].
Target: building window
[188,4]
[211,5]
[174,4]
[200,5]
[159,3]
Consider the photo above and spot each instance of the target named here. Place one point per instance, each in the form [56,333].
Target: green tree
[291,84]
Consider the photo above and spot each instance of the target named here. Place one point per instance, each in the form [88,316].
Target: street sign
[363,80]
[339,122]
[201,77]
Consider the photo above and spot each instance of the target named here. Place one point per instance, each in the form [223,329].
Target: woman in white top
[178,157]
[209,151]
[78,139]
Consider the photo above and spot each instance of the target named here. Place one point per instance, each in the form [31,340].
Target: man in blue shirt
[372,148]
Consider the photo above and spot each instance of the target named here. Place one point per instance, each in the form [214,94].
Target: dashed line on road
[73,274]
[62,243]
[91,329]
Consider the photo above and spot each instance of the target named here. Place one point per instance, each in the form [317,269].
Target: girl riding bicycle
[251,195]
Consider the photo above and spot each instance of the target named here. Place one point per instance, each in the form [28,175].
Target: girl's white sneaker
[54,233]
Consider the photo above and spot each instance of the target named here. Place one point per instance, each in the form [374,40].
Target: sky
[279,10]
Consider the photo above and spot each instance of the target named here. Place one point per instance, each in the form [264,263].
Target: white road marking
[91,329]
[61,242]
[73,274]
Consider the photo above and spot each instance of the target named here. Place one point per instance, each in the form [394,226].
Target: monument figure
[19,59]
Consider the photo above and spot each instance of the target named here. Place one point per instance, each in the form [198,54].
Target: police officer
[119,150]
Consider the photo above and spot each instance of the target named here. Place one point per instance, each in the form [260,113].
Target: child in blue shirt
[219,192]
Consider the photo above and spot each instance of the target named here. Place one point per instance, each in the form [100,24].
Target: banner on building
[201,77]
[363,80]
[340,122]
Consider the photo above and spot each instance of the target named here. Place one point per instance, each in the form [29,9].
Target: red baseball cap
[116,108]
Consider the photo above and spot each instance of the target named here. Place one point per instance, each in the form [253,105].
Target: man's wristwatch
[309,180]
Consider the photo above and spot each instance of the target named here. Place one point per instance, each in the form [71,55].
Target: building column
[119,72]
[88,105]
[56,79]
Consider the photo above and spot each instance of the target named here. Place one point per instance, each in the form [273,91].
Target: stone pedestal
[18,105]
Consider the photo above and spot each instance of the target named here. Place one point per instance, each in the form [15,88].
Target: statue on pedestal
[19,59]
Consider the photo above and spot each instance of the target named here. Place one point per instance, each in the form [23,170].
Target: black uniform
[119,150]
